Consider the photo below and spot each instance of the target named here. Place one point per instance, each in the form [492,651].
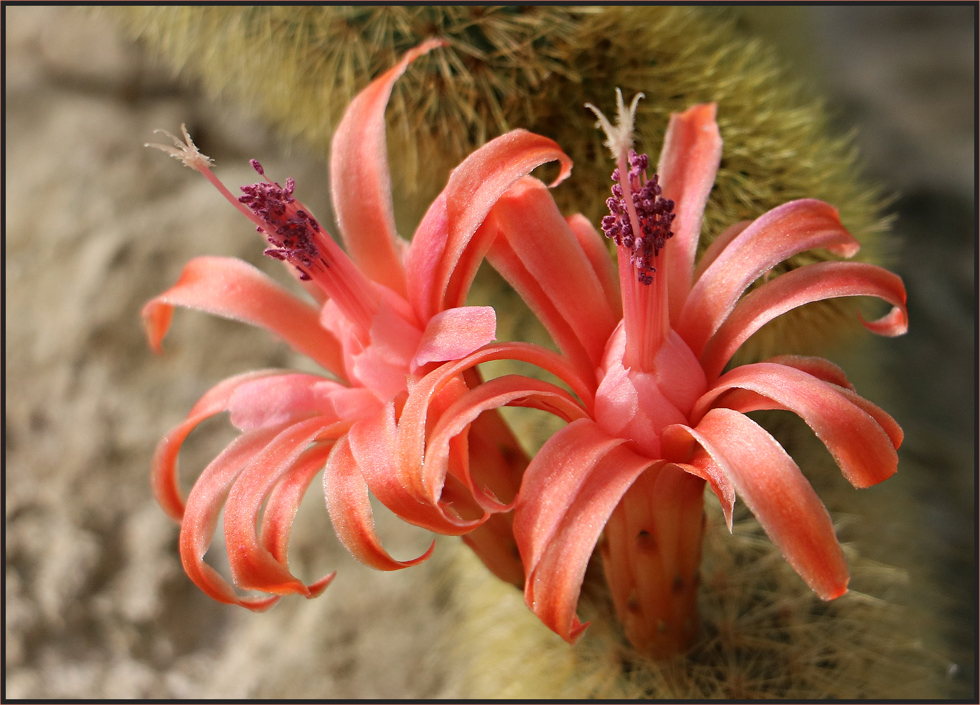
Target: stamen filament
[639,223]
[297,238]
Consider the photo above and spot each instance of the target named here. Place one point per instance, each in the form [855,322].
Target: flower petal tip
[891,325]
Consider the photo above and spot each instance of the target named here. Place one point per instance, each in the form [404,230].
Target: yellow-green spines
[535,67]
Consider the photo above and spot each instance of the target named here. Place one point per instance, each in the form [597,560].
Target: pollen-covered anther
[654,213]
[290,230]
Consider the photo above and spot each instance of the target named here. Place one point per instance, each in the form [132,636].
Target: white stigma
[619,139]
[184,150]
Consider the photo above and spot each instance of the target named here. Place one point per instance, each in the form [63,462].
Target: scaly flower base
[764,634]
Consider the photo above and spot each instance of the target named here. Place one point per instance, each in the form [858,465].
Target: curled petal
[280,510]
[473,188]
[163,473]
[230,288]
[412,424]
[583,472]
[360,180]
[350,511]
[773,487]
[374,445]
[687,168]
[815,282]
[773,237]
[201,516]
[819,367]
[510,390]
[253,566]
[863,449]
[455,333]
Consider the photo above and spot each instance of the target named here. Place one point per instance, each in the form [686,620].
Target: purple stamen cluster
[291,231]
[655,214]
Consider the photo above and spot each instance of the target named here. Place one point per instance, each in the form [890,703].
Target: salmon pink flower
[386,312]
[654,417]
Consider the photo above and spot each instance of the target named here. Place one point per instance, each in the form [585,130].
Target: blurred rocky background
[96,604]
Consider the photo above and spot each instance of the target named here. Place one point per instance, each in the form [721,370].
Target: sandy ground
[96,605]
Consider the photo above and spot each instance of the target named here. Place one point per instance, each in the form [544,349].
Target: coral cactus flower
[384,314]
[655,417]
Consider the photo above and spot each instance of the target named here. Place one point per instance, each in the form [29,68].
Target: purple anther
[291,231]
[258,167]
[654,215]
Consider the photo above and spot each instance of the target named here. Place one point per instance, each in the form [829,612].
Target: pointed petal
[230,288]
[163,474]
[538,235]
[201,516]
[553,480]
[509,265]
[773,487]
[455,333]
[862,447]
[814,282]
[687,168]
[252,565]
[350,511]
[569,492]
[829,372]
[473,188]
[422,261]
[594,247]
[773,237]
[717,246]
[360,180]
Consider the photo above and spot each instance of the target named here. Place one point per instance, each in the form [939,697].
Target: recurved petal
[230,288]
[773,237]
[569,491]
[360,182]
[509,390]
[474,186]
[863,448]
[201,516]
[815,282]
[253,566]
[350,511]
[280,511]
[679,446]
[374,446]
[163,473]
[819,367]
[772,486]
[717,246]
[687,168]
